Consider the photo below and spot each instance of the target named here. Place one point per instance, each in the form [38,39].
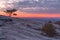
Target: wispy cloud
[43,6]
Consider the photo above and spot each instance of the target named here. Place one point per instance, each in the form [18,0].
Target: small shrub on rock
[49,29]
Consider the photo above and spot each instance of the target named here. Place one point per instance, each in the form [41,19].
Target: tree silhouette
[10,12]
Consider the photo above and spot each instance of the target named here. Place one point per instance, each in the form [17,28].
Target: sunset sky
[32,8]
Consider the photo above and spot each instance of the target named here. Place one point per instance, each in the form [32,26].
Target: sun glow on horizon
[32,15]
[36,15]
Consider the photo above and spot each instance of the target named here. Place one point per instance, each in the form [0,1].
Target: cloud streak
[42,6]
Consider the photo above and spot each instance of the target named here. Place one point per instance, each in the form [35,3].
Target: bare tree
[10,12]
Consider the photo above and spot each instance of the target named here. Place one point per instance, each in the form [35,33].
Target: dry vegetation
[49,29]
